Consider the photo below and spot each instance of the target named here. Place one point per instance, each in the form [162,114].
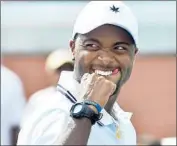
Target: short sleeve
[45,130]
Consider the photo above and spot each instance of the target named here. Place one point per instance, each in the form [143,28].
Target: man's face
[107,48]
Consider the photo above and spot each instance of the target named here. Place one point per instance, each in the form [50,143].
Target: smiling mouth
[107,72]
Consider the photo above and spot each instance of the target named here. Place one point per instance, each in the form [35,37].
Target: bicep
[46,130]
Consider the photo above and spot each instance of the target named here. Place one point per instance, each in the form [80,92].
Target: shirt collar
[69,83]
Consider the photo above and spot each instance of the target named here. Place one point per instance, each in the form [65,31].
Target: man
[12,105]
[84,111]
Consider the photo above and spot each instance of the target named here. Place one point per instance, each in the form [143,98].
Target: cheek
[125,62]
[82,65]
[84,59]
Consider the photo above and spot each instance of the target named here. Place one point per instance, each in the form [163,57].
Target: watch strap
[86,112]
[96,105]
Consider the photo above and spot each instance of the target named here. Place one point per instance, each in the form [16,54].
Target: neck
[111,102]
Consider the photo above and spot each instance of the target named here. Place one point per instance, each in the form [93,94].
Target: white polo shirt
[45,124]
[12,103]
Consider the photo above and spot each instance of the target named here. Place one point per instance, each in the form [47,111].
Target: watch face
[77,109]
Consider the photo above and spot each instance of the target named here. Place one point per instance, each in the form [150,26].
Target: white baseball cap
[98,13]
[58,58]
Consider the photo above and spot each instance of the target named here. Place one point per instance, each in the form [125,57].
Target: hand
[96,88]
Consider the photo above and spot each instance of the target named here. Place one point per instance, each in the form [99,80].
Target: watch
[80,110]
[96,105]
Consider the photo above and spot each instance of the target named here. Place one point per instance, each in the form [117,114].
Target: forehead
[109,33]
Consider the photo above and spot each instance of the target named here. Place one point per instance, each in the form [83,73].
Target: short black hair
[130,36]
[75,36]
[68,66]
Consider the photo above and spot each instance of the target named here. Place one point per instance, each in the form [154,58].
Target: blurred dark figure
[151,140]
[157,142]
[164,141]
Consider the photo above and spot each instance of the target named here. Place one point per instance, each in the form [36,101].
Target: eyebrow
[92,39]
[97,41]
[121,43]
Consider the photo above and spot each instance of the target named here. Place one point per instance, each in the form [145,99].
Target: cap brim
[93,27]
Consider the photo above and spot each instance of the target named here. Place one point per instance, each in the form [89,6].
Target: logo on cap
[114,9]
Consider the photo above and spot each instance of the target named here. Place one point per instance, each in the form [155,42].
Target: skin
[105,48]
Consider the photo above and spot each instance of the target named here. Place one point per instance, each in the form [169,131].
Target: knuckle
[108,83]
[85,76]
[101,78]
[113,85]
[93,78]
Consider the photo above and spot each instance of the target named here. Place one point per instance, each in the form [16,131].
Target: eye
[93,47]
[120,48]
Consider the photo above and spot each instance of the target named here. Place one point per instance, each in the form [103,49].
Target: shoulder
[10,77]
[12,89]
[43,118]
[44,101]
[48,98]
[42,95]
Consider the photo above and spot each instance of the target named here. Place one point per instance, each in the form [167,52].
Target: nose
[105,59]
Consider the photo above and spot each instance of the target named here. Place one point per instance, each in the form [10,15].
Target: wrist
[82,110]
[93,108]
[93,105]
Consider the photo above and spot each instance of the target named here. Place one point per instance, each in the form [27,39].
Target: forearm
[77,133]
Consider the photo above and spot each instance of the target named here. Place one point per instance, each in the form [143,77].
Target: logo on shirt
[118,133]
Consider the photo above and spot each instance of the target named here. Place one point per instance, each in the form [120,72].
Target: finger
[114,86]
[99,80]
[84,77]
[92,79]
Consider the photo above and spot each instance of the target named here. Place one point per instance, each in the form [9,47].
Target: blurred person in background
[13,102]
[164,141]
[151,140]
[84,111]
[56,62]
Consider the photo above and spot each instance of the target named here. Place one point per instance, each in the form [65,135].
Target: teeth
[103,73]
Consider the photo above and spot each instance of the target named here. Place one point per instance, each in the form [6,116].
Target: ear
[72,47]
[136,51]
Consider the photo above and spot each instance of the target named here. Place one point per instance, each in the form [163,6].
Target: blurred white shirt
[168,141]
[12,103]
[47,115]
